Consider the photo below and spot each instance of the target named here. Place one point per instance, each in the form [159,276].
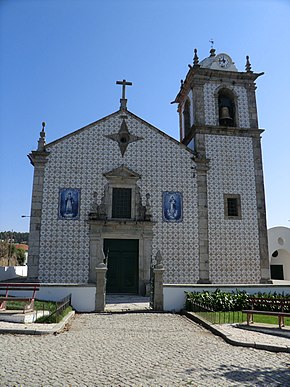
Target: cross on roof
[123,100]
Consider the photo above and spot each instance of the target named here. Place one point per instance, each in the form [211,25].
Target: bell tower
[219,123]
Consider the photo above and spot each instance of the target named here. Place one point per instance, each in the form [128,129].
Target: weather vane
[211,42]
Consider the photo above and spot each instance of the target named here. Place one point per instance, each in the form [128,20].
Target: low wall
[83,296]
[9,272]
[174,297]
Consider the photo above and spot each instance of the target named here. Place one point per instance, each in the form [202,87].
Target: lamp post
[10,248]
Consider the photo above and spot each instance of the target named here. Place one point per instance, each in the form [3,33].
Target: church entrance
[123,267]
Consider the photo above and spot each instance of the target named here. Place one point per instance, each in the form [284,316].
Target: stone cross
[123,100]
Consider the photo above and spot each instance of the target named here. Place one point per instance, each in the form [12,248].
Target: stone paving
[251,336]
[137,349]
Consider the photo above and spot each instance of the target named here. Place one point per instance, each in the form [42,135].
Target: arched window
[227,109]
[186,117]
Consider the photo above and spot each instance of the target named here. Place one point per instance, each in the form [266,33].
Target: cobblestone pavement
[137,349]
[250,336]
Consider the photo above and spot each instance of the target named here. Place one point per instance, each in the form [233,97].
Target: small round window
[275,254]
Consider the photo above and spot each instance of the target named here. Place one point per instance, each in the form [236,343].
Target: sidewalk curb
[57,328]
[266,347]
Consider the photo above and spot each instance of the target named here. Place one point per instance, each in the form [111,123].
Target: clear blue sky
[60,60]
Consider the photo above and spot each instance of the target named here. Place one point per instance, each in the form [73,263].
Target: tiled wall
[233,244]
[79,161]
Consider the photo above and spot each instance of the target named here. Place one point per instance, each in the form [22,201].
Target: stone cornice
[199,75]
[227,131]
[38,157]
[120,222]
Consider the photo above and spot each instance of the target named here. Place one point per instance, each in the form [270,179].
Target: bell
[225,115]
[225,118]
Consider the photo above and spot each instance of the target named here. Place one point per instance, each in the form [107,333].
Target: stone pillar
[38,160]
[259,179]
[158,284]
[197,86]
[261,210]
[146,258]
[201,180]
[96,250]
[101,271]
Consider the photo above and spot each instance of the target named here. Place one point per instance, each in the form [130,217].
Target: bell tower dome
[219,123]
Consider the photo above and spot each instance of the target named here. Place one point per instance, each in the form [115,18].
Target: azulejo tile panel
[233,244]
[79,162]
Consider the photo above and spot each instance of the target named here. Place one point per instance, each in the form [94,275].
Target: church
[122,189]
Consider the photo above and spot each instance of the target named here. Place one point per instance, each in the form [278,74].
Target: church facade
[121,190]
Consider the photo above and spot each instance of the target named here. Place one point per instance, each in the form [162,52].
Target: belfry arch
[227,107]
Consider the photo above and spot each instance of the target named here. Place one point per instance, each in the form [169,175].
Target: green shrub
[54,318]
[38,305]
[226,301]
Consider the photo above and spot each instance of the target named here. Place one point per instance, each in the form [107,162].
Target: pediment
[122,173]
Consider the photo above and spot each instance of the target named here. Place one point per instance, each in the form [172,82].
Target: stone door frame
[129,229]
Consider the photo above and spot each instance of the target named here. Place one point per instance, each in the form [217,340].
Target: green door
[123,257]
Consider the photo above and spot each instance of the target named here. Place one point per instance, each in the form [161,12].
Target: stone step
[126,303]
[18,316]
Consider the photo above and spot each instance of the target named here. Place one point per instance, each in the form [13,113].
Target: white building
[279,252]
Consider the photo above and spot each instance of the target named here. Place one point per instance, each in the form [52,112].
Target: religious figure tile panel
[69,203]
[172,206]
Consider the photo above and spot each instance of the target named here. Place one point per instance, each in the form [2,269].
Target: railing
[229,317]
[61,306]
[151,302]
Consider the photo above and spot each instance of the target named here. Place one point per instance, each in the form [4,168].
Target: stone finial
[158,260]
[95,202]
[195,58]
[212,52]
[148,208]
[248,65]
[102,261]
[181,84]
[98,211]
[41,141]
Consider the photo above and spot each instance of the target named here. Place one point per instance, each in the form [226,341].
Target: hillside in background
[17,237]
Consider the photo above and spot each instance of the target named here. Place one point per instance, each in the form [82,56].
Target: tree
[10,255]
[4,249]
[18,237]
[20,255]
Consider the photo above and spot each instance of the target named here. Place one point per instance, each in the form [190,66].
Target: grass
[51,306]
[239,317]
[270,320]
[38,305]
[54,319]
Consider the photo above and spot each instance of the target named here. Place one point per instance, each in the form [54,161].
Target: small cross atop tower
[123,100]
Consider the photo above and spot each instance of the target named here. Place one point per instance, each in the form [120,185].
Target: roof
[22,246]
[127,112]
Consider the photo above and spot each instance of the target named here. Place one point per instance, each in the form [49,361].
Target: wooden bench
[18,287]
[279,303]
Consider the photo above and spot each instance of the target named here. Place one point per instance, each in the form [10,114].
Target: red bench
[18,287]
